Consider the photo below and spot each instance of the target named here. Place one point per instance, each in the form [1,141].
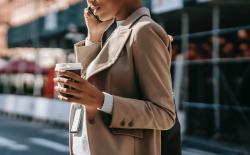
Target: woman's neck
[128,10]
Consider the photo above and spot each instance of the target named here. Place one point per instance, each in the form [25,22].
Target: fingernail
[59,96]
[62,71]
[62,97]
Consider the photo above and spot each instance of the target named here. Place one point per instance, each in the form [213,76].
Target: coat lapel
[110,52]
[112,49]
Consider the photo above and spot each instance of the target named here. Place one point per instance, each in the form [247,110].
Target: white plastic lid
[68,66]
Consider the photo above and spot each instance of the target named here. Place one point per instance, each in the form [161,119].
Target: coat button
[122,123]
[130,124]
[91,120]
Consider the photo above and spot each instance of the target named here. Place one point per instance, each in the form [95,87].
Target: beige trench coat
[134,67]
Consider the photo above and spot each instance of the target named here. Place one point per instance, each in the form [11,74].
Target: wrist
[95,37]
[100,101]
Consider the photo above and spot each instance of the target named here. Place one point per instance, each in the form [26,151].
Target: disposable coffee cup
[72,67]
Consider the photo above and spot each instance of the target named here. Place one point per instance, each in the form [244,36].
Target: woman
[125,90]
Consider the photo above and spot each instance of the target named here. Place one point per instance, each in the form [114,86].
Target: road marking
[58,132]
[198,152]
[53,131]
[49,144]
[12,145]
[189,153]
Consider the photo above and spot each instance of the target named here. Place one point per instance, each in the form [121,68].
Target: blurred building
[15,13]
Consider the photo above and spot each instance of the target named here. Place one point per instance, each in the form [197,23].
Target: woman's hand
[95,29]
[84,93]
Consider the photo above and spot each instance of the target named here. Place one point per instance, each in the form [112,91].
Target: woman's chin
[105,18]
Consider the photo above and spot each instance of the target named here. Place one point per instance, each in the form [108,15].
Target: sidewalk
[222,146]
[37,108]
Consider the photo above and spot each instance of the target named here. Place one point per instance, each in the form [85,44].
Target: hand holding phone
[91,11]
[96,27]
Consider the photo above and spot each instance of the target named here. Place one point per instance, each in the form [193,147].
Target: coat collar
[134,17]
[111,50]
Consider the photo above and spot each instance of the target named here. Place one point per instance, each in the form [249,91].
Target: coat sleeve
[86,54]
[152,60]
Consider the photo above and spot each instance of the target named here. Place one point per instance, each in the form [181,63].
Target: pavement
[22,137]
[19,137]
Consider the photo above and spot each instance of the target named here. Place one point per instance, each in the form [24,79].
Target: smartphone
[91,11]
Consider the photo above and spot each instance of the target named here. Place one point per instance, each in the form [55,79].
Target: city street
[19,137]
[196,52]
